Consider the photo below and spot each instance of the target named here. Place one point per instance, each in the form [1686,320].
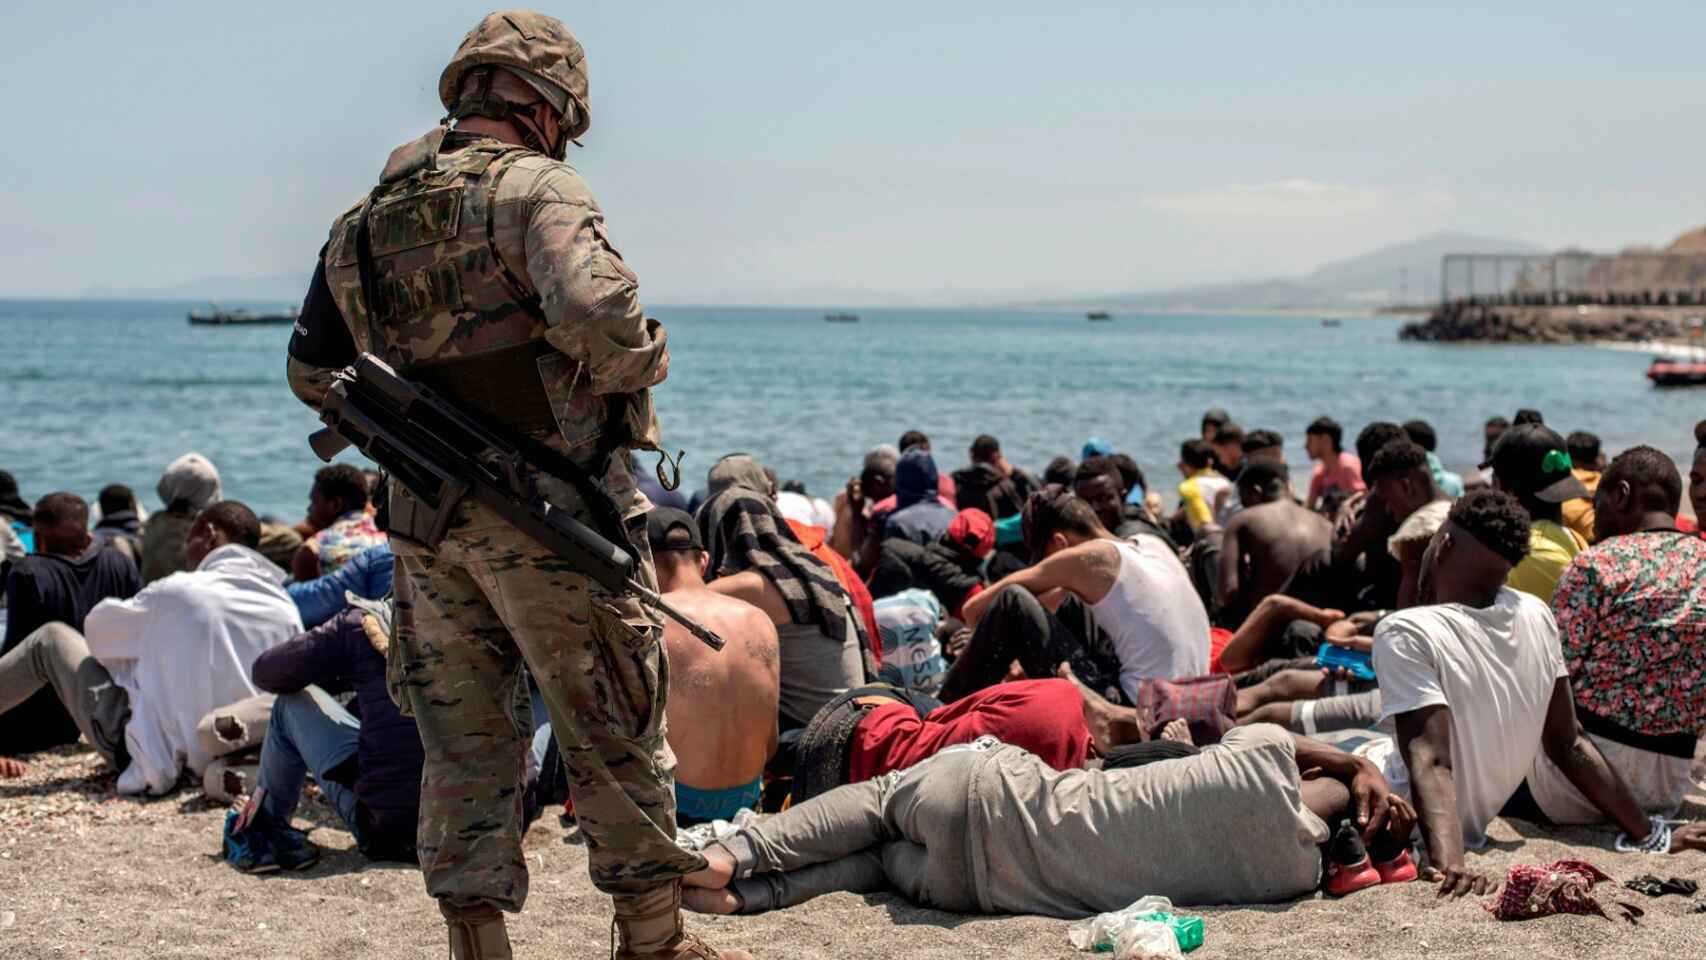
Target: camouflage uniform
[496,283]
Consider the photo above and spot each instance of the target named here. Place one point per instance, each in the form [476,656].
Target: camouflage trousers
[469,614]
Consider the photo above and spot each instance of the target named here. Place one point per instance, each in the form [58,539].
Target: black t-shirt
[42,589]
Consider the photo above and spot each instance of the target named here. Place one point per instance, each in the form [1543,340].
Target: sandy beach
[84,873]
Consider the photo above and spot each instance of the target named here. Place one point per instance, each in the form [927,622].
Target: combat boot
[649,928]
[476,933]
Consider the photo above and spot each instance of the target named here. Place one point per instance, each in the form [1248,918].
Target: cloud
[1296,198]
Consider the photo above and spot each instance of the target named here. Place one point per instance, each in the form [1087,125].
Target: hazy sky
[749,150]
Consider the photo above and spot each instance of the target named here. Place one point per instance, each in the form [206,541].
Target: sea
[95,392]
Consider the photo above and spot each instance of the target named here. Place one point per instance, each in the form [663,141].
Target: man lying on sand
[960,832]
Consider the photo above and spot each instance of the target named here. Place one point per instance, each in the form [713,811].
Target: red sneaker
[1399,869]
[1348,866]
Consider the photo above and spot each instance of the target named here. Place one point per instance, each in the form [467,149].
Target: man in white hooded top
[152,666]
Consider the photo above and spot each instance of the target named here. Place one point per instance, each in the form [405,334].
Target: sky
[751,152]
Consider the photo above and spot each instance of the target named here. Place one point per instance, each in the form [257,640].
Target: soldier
[480,266]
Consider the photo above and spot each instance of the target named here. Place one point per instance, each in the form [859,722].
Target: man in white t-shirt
[1475,685]
[1134,591]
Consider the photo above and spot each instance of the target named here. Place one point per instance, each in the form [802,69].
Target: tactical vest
[422,285]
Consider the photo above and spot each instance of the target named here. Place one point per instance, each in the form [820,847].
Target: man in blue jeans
[369,770]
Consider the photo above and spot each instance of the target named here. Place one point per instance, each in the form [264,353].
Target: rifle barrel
[651,599]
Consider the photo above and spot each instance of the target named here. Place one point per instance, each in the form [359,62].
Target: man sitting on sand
[367,763]
[757,558]
[919,513]
[1268,541]
[950,568]
[990,483]
[154,665]
[1202,485]
[1136,591]
[1476,687]
[57,585]
[337,513]
[1407,491]
[721,716]
[991,828]
[1531,464]
[1632,612]
[1099,483]
[1337,474]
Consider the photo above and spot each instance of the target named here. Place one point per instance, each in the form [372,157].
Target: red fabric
[1045,717]
[959,612]
[813,539]
[972,528]
[1208,704]
[1563,887]
[1218,638]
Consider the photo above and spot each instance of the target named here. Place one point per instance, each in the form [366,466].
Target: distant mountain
[1405,272]
[279,287]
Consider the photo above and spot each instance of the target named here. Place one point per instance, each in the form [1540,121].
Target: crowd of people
[961,685]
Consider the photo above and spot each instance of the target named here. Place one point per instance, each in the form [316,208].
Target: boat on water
[1332,322]
[216,317]
[840,318]
[1098,316]
[1677,373]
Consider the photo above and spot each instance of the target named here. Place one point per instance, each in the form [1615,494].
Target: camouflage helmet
[537,47]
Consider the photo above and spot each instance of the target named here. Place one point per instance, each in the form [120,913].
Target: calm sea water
[95,392]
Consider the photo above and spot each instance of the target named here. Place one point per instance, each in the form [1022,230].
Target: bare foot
[1178,731]
[11,769]
[699,900]
[719,870]
[1110,725]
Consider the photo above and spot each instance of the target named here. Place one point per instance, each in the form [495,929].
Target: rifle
[442,456]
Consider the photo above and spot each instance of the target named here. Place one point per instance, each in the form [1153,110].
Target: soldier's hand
[663,366]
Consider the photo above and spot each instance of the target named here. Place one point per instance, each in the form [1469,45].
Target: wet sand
[86,874]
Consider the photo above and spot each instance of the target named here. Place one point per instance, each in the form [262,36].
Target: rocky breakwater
[1471,322]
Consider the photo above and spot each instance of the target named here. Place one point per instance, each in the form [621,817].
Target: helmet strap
[481,103]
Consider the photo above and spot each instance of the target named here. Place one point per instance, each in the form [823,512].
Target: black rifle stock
[441,456]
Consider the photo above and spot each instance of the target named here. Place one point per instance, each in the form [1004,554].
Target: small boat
[1332,322]
[1098,316]
[840,318]
[1676,372]
[240,318]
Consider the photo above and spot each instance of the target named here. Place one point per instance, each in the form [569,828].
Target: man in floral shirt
[1632,615]
[337,513]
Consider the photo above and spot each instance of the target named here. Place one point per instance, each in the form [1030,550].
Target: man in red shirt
[868,732]
[1337,474]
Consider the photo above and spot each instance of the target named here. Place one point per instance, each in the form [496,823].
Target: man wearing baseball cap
[1532,463]
[721,717]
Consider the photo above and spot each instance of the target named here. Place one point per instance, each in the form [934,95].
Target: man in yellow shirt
[1531,463]
[1202,483]
[1587,462]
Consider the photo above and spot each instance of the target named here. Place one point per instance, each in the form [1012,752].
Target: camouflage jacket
[478,247]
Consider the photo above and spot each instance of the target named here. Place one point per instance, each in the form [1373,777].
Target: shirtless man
[1267,541]
[721,717]
[1135,591]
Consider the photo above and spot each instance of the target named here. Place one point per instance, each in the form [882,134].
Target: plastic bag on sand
[696,838]
[1128,937]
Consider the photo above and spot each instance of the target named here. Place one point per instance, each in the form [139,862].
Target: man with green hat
[1531,463]
[480,266]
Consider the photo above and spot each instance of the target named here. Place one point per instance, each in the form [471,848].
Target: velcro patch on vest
[415,221]
[343,252]
[421,293]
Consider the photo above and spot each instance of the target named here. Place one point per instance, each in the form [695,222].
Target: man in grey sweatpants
[990,828]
